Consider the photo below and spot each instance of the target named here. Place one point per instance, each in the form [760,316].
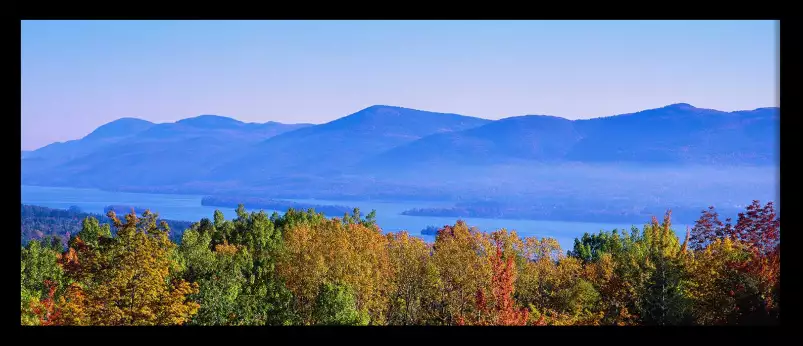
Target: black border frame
[528,335]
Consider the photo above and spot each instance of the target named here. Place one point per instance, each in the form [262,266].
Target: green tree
[335,305]
[590,247]
[38,265]
[665,298]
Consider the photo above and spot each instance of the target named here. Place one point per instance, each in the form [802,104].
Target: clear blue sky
[77,75]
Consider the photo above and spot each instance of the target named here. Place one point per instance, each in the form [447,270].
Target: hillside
[105,135]
[332,147]
[675,134]
[674,153]
[681,133]
[185,149]
[532,137]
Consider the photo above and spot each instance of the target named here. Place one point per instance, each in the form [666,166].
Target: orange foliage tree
[126,279]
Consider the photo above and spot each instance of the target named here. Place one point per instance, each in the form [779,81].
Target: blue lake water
[189,208]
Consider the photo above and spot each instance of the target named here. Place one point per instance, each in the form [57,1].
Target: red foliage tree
[708,228]
[507,314]
[759,229]
[46,309]
[504,311]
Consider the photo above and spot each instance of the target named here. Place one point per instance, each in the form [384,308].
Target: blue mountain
[366,149]
[675,134]
[170,153]
[332,147]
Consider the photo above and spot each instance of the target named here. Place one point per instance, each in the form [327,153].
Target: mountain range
[386,148]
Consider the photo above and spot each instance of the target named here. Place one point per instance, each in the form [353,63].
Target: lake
[189,208]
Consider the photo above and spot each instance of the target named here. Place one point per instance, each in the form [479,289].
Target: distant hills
[335,146]
[393,151]
[150,154]
[675,134]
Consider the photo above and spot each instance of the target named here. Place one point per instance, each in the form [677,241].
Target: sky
[78,75]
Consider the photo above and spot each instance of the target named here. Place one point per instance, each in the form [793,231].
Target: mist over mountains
[672,155]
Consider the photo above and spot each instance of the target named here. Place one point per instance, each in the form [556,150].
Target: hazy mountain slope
[331,147]
[675,134]
[107,134]
[383,146]
[531,137]
[680,133]
[170,153]
[216,126]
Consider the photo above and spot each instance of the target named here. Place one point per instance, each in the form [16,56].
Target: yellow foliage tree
[333,252]
[463,258]
[126,280]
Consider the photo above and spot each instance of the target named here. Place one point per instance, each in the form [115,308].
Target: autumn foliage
[302,268]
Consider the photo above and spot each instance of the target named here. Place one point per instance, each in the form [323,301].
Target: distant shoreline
[273,204]
[682,215]
[463,210]
[181,191]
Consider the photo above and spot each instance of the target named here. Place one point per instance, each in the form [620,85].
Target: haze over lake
[189,208]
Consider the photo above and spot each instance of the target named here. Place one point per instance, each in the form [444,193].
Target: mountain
[218,127]
[675,134]
[681,133]
[119,128]
[104,135]
[333,147]
[168,153]
[388,152]
[208,121]
[530,137]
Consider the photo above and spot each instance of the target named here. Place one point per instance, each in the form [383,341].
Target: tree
[759,227]
[38,266]
[240,282]
[355,218]
[616,294]
[717,279]
[758,230]
[303,268]
[665,292]
[92,232]
[409,258]
[316,252]
[219,275]
[463,261]
[708,229]
[591,246]
[126,280]
[335,305]
[41,280]
[501,309]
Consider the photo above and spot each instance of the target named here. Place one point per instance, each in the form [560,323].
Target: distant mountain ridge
[333,146]
[184,148]
[675,134]
[212,154]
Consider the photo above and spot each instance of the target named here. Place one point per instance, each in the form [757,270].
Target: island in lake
[273,204]
[430,230]
[558,211]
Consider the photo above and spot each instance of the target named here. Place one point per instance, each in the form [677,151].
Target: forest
[40,222]
[302,268]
